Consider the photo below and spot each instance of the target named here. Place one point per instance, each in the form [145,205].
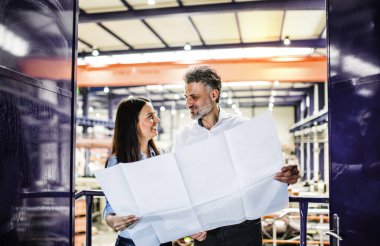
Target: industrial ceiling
[130,26]
[116,27]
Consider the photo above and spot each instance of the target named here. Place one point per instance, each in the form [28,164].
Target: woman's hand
[119,223]
[200,236]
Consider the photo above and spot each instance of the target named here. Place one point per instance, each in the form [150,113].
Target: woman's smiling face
[148,123]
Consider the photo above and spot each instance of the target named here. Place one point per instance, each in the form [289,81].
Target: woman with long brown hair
[135,127]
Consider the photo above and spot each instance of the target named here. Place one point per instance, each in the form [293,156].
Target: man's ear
[214,94]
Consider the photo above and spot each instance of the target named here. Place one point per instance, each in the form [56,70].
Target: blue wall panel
[37,92]
[354,118]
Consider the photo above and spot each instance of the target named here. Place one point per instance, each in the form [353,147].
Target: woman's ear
[214,94]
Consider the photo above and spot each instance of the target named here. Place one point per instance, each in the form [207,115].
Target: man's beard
[202,111]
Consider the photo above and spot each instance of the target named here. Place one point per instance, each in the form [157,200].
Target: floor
[103,236]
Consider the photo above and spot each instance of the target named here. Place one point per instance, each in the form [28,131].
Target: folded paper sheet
[223,180]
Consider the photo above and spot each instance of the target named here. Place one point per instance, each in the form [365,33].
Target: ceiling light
[90,109]
[80,61]
[151,2]
[193,56]
[129,58]
[271,105]
[182,115]
[267,52]
[287,40]
[271,99]
[162,108]
[95,52]
[224,94]
[176,96]
[167,56]
[179,85]
[155,87]
[218,54]
[273,93]
[276,83]
[99,61]
[287,59]
[187,47]
[106,89]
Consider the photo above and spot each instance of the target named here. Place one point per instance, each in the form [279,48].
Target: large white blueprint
[223,180]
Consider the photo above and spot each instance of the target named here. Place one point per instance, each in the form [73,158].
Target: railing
[303,204]
[89,195]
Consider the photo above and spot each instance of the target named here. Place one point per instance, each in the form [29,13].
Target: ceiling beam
[238,27]
[207,8]
[196,30]
[126,4]
[282,25]
[115,35]
[154,33]
[302,69]
[86,43]
[308,43]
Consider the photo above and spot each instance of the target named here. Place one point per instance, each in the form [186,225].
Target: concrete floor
[104,239]
[103,236]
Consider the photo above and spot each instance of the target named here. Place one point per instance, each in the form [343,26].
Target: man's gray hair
[205,75]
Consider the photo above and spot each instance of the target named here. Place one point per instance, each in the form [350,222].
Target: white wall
[284,117]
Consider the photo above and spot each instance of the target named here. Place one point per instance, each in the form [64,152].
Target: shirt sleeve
[108,209]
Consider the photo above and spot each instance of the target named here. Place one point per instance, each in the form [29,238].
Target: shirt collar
[143,155]
[222,115]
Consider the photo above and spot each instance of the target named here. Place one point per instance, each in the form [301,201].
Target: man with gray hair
[202,91]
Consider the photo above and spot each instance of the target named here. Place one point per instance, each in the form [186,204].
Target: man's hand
[120,223]
[200,236]
[289,174]
[186,241]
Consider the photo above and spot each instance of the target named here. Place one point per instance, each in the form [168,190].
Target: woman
[135,127]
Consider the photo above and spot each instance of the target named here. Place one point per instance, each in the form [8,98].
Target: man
[202,91]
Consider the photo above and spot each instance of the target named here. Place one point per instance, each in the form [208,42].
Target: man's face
[198,99]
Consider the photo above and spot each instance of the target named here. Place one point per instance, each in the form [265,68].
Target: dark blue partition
[37,92]
[321,159]
[354,118]
[321,96]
